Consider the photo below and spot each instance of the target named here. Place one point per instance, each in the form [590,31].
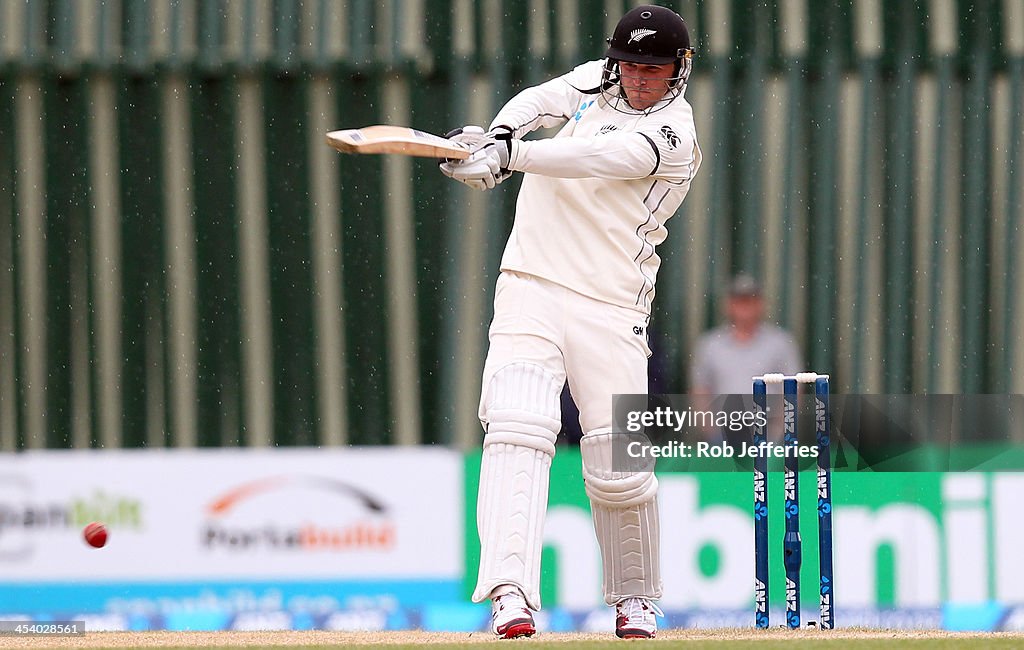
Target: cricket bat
[384,138]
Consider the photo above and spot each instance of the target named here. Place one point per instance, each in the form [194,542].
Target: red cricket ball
[95,534]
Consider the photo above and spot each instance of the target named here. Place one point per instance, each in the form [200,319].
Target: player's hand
[479,171]
[473,137]
[487,165]
[469,135]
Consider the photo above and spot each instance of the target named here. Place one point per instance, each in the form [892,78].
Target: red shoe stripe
[517,629]
[634,634]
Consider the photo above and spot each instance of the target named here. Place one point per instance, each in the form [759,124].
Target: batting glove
[487,165]
[469,135]
[472,136]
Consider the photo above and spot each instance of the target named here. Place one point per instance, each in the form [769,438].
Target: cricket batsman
[573,301]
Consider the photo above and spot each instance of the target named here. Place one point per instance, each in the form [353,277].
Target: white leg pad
[625,509]
[522,412]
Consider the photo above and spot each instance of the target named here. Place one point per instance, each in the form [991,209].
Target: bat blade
[384,138]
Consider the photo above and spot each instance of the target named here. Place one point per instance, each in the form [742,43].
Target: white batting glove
[487,165]
[470,135]
[479,171]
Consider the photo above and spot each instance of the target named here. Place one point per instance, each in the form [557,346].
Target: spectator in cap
[728,356]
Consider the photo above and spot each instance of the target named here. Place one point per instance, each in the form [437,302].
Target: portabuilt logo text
[362,535]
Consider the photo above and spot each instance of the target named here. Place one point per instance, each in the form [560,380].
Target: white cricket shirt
[596,196]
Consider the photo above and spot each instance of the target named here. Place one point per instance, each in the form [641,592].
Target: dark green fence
[183,262]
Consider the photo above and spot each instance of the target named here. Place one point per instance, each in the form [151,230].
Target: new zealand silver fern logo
[637,34]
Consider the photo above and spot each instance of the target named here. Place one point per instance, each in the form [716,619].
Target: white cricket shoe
[510,616]
[635,618]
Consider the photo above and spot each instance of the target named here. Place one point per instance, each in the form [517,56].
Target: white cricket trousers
[541,335]
[600,348]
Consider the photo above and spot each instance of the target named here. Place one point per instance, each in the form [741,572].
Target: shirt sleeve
[548,104]
[613,156]
[675,143]
[668,152]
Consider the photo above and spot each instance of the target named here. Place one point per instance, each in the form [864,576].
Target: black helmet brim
[633,57]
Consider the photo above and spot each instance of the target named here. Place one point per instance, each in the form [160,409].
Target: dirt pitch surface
[719,639]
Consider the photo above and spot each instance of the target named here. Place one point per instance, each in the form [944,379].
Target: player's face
[645,84]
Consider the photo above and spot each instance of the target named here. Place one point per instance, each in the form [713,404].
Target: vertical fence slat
[218,326]
[365,294]
[975,204]
[437,218]
[105,290]
[750,65]
[1013,30]
[180,244]
[60,180]
[823,254]
[328,269]
[361,32]
[938,245]
[451,30]
[403,345]
[794,205]
[67,258]
[9,400]
[30,260]
[1015,219]
[142,223]
[251,188]
[717,163]
[290,252]
[868,39]
[899,241]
